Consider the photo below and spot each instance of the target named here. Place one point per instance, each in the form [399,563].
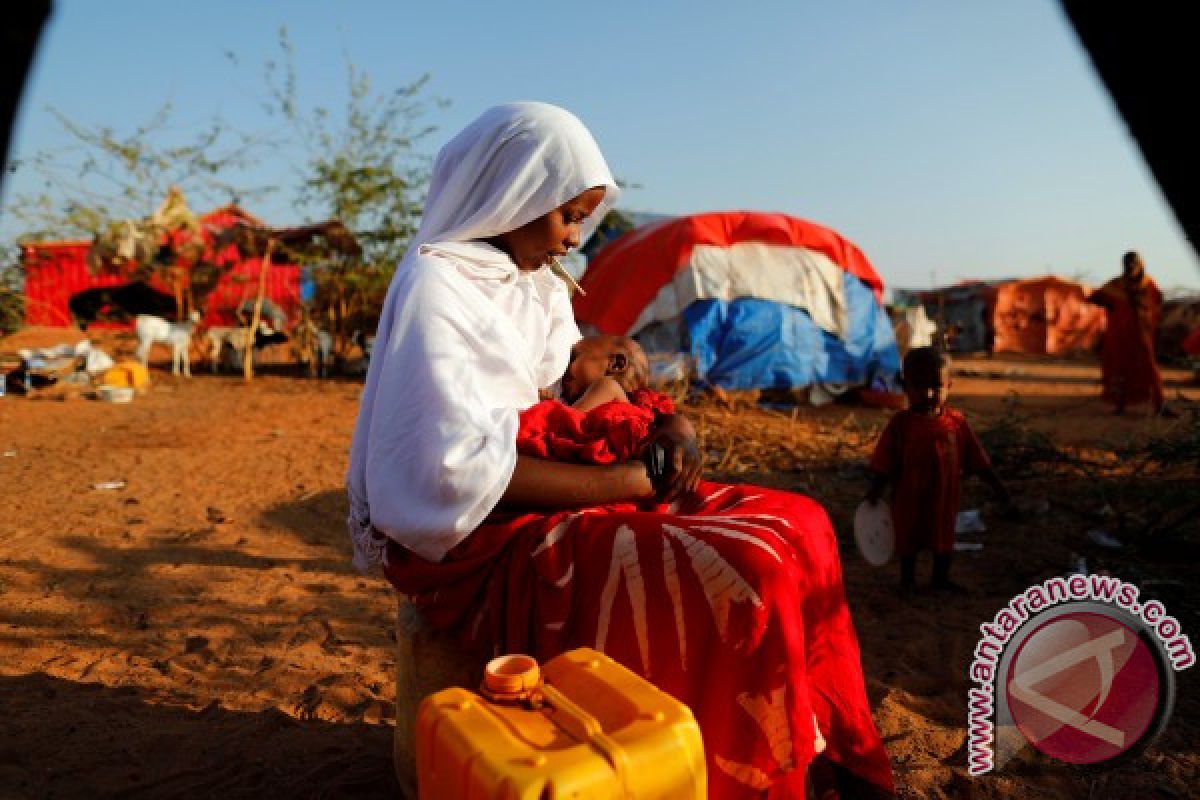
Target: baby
[606,413]
[604,368]
[923,453]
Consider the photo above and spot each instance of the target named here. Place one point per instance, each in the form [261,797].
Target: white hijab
[466,339]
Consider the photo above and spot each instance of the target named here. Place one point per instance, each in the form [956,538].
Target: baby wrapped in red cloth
[606,415]
[730,598]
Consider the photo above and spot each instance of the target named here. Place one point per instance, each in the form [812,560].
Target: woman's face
[532,245]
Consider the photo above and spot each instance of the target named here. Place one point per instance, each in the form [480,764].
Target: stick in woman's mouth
[561,272]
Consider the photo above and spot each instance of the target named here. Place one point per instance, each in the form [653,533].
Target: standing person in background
[1134,306]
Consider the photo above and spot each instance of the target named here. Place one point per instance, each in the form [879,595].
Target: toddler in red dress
[922,454]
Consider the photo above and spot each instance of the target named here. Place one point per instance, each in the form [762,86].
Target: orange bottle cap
[511,675]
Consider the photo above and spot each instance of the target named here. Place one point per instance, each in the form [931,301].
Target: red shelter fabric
[731,600]
[626,275]
[56,271]
[1128,363]
[925,458]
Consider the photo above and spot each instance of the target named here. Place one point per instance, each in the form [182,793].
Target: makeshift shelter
[758,300]
[1048,315]
[963,310]
[1179,327]
[1045,316]
[57,271]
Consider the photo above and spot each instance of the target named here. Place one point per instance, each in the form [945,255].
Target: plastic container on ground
[581,726]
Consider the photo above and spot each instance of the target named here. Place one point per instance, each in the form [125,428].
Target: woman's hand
[677,437]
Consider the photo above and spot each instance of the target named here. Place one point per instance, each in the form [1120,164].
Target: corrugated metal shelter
[967,307]
[57,271]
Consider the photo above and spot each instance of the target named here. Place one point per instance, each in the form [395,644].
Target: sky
[948,140]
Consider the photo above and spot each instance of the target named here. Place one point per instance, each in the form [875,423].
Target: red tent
[56,271]
[626,276]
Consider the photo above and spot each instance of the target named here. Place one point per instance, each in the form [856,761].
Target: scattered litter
[969,522]
[1104,539]
[968,547]
[106,486]
[115,394]
[97,362]
[9,454]
[129,374]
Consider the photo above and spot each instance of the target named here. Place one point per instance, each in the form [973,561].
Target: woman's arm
[538,483]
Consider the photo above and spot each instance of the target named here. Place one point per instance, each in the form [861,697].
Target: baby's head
[594,357]
[927,379]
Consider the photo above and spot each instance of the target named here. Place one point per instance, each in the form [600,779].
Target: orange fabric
[1130,370]
[925,457]
[1045,316]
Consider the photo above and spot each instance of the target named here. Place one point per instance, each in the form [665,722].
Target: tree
[364,169]
[124,191]
[104,176]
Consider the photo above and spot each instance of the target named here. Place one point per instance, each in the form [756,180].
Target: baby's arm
[602,391]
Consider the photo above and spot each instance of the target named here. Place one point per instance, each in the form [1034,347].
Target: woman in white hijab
[517,554]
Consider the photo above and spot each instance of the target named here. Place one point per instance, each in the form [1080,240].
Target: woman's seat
[427,661]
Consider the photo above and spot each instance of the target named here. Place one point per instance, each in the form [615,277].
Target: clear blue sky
[948,138]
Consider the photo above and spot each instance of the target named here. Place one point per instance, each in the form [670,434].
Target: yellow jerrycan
[581,726]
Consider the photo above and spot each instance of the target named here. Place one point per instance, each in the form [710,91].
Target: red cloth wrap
[608,434]
[730,600]
[924,457]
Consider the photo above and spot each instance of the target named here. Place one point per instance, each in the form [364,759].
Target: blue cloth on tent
[750,343]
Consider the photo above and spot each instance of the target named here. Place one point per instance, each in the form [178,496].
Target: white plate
[873,533]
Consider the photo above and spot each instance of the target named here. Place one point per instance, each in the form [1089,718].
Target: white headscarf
[466,339]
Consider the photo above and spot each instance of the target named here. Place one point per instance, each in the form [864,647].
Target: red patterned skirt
[731,600]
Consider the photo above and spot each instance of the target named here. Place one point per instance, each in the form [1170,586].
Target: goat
[178,335]
[237,339]
[367,343]
[312,347]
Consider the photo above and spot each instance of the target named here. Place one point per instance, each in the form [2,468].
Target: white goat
[151,330]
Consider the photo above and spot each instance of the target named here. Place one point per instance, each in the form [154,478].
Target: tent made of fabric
[1045,316]
[759,300]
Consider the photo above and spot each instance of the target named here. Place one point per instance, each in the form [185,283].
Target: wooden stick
[248,355]
[561,272]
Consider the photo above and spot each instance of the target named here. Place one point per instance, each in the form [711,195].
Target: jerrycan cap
[511,677]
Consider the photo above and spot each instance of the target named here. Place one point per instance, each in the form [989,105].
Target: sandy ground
[200,631]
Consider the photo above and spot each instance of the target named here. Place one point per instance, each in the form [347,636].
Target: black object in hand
[656,463]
